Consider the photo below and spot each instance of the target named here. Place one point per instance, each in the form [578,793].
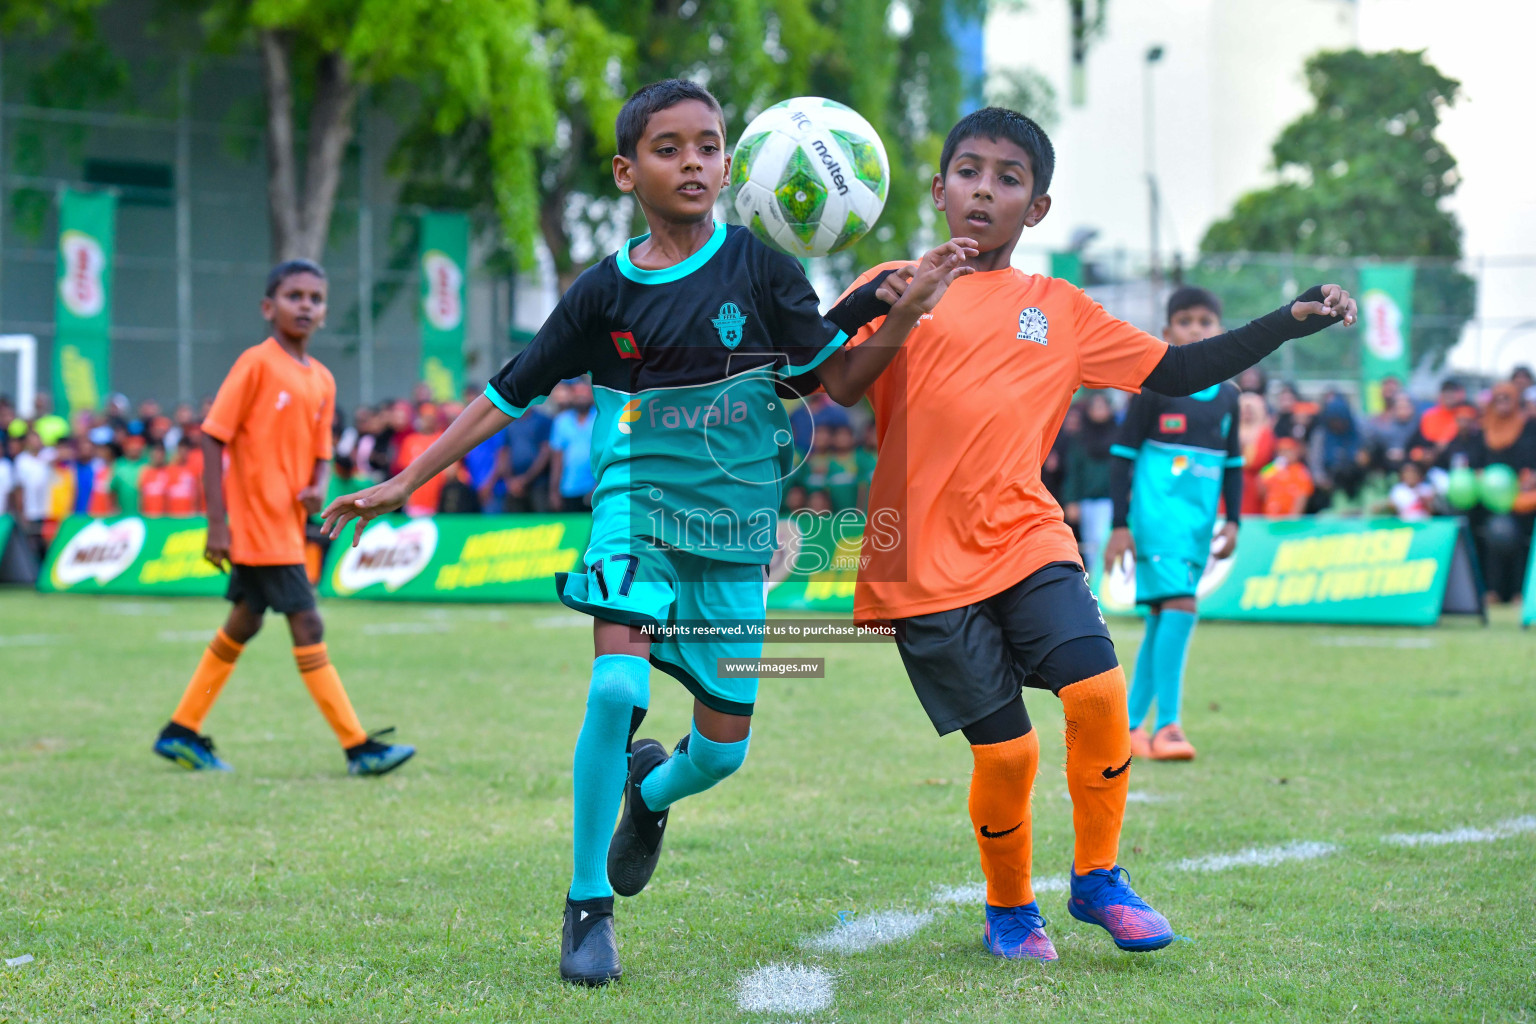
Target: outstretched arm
[1185,369]
[475,425]
[847,373]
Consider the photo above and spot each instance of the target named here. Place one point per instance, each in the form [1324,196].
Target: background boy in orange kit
[272,416]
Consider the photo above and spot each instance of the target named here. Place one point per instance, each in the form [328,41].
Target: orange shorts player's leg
[999,804]
[1087,677]
[1098,766]
[213,669]
[321,677]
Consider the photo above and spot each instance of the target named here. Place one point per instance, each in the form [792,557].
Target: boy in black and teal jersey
[1176,460]
[687,332]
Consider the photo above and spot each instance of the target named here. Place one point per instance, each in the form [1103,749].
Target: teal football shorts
[643,583]
[1164,577]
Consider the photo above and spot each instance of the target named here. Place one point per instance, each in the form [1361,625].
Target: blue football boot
[371,757]
[193,752]
[1105,898]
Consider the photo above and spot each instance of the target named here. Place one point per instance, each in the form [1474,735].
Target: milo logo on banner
[1383,325]
[100,552]
[388,555]
[82,288]
[443,304]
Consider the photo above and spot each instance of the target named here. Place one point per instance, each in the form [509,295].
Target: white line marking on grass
[976,892]
[183,636]
[562,621]
[1401,642]
[785,988]
[138,608]
[1135,796]
[17,961]
[400,628]
[1264,857]
[31,639]
[1503,830]
[859,933]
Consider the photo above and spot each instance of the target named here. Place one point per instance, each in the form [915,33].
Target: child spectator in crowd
[429,427]
[570,441]
[1412,497]
[1285,483]
[1086,488]
[152,481]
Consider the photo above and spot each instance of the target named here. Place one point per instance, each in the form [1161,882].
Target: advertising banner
[1386,322]
[457,558]
[83,307]
[817,563]
[131,555]
[1362,571]
[444,257]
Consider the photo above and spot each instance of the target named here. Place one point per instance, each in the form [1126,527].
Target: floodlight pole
[1155,269]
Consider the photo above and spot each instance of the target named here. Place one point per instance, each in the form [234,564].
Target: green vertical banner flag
[1386,321]
[82,346]
[1068,266]
[444,257]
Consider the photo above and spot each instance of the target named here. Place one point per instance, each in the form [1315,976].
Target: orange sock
[325,687]
[212,671]
[1098,765]
[1000,789]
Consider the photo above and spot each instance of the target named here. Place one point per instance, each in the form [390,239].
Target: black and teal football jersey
[1182,448]
[691,442]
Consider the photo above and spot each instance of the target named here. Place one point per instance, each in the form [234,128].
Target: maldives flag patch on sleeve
[624,341]
[1171,423]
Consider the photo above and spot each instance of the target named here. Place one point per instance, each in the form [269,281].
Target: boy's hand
[364,506]
[1227,542]
[1336,303]
[934,273]
[894,285]
[216,548]
[312,498]
[1120,544]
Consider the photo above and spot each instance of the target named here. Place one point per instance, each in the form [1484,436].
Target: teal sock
[1170,653]
[616,701]
[693,770]
[1142,685]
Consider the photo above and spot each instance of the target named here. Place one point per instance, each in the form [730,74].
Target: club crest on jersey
[729,323]
[1033,325]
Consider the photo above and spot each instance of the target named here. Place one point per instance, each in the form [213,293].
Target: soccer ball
[809,176]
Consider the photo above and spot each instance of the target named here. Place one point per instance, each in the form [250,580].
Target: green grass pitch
[289,892]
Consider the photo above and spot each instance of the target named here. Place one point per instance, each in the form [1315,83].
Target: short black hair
[653,99]
[1191,297]
[291,268]
[1001,123]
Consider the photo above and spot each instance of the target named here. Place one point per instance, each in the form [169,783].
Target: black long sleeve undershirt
[1232,493]
[1185,369]
[857,308]
[1120,489]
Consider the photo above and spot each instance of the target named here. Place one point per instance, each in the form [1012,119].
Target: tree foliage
[1362,175]
[896,67]
[1363,172]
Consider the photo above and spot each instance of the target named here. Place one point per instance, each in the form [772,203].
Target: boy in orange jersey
[968,555]
[273,417]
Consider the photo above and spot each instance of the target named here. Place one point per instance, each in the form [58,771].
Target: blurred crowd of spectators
[1308,455]
[1302,455]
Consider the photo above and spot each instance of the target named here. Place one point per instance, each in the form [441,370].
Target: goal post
[24,348]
